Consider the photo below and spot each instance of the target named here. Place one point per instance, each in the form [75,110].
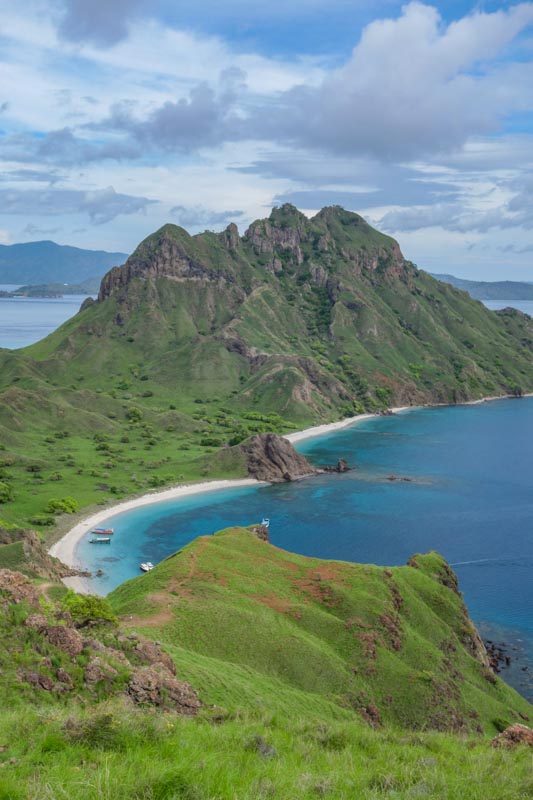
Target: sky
[118,116]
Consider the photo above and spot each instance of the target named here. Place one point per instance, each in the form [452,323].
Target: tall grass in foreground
[140,755]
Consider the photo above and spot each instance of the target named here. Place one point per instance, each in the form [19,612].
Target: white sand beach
[319,430]
[65,548]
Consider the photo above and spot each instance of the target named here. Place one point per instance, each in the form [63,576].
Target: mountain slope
[198,342]
[393,646]
[491,290]
[48,262]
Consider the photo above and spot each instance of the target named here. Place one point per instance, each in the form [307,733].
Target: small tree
[6,492]
[134,414]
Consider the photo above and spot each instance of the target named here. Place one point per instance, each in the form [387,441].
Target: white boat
[100,540]
[147,566]
[265,522]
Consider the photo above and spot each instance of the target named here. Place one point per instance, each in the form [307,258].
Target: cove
[470,497]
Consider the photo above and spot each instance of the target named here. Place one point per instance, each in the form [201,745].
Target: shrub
[42,520]
[134,414]
[88,608]
[6,493]
[65,505]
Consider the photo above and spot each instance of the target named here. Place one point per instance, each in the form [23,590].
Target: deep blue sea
[25,320]
[470,497]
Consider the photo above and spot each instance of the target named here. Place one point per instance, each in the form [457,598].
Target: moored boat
[100,540]
[147,566]
[103,531]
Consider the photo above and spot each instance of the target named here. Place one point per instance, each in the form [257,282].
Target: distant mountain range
[491,290]
[48,262]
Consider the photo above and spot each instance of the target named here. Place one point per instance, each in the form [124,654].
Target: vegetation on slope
[199,342]
[395,646]
[313,676]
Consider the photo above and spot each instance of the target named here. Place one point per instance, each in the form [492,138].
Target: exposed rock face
[474,643]
[66,639]
[16,588]
[169,258]
[231,237]
[270,457]
[150,653]
[37,679]
[99,670]
[156,686]
[38,560]
[513,736]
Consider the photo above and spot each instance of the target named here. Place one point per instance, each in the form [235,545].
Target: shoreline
[65,548]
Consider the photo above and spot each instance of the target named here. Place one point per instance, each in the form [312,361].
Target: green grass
[273,723]
[138,756]
[387,645]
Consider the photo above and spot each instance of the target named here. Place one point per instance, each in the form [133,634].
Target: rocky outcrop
[156,686]
[513,736]
[37,560]
[151,653]
[166,257]
[98,670]
[270,457]
[66,639]
[16,588]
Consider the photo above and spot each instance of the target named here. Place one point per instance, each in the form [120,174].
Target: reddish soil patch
[279,604]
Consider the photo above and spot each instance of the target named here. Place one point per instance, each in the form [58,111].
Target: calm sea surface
[25,320]
[522,305]
[470,497]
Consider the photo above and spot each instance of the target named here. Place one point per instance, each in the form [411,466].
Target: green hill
[273,676]
[392,646]
[198,342]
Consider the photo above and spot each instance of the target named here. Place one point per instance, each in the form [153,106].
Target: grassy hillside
[198,342]
[393,646]
[315,679]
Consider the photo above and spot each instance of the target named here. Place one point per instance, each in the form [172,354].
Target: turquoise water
[470,497]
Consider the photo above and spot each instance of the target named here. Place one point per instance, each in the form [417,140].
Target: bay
[469,496]
[25,320]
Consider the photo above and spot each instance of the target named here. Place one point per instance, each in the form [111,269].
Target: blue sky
[116,117]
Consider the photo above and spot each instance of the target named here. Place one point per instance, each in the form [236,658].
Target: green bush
[42,520]
[134,414]
[88,608]
[65,505]
[6,492]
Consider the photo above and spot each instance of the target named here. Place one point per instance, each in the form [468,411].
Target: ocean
[25,320]
[469,496]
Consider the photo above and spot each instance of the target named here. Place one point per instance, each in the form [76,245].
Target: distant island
[55,290]
[42,263]
[490,290]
